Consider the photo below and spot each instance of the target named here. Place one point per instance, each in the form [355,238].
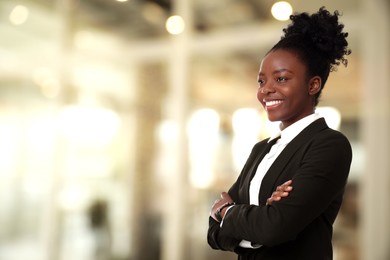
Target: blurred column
[66,10]
[375,120]
[174,234]
[145,193]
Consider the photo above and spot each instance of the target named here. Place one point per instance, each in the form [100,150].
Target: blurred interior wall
[148,199]
[375,120]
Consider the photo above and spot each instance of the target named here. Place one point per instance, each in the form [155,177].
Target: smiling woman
[288,195]
[283,89]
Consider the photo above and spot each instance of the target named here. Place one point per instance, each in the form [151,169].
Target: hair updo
[318,40]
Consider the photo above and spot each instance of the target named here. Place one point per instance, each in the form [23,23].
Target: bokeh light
[281,10]
[175,25]
[19,15]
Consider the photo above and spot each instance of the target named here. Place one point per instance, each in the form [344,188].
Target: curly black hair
[318,40]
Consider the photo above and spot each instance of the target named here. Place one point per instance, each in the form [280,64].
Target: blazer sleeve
[214,238]
[319,172]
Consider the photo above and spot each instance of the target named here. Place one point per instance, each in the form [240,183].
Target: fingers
[285,188]
[280,192]
[276,196]
[224,200]
[271,199]
[226,197]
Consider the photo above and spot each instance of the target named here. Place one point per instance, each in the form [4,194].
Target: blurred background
[122,121]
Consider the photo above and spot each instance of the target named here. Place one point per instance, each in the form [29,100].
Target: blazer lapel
[253,168]
[268,183]
[260,157]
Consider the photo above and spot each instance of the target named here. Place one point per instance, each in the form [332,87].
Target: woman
[287,196]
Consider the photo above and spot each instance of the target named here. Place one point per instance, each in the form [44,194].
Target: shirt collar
[289,133]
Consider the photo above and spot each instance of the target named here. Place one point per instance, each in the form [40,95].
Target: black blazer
[299,226]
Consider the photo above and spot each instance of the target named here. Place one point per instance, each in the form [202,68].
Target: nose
[266,88]
[262,90]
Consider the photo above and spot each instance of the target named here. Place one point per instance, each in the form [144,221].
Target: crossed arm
[220,206]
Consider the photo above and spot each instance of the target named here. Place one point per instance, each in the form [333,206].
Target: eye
[261,81]
[281,79]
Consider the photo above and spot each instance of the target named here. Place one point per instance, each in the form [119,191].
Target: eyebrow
[277,71]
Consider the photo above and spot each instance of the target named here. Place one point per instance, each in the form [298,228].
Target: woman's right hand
[224,201]
[281,192]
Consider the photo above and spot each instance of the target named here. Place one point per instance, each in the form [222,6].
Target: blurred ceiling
[138,20]
[143,21]
[146,18]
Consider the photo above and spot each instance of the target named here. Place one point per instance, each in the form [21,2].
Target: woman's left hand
[281,192]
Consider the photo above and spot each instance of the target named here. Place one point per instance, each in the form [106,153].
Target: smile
[272,103]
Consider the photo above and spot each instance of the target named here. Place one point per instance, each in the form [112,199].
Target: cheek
[259,95]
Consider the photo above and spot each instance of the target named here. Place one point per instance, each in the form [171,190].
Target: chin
[272,118]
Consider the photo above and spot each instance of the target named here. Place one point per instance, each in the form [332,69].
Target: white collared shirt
[286,135]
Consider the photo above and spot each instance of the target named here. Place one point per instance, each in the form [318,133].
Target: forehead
[282,60]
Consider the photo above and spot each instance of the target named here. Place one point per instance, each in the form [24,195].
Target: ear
[314,85]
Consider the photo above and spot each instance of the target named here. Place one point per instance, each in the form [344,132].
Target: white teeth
[273,102]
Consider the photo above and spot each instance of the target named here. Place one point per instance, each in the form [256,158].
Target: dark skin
[287,94]
[285,91]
